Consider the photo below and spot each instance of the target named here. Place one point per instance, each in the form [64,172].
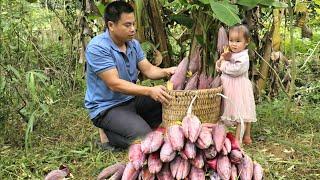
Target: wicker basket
[206,106]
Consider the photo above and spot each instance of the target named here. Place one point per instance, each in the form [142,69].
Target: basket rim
[200,90]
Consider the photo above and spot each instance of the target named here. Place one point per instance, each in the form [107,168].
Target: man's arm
[154,72]
[112,80]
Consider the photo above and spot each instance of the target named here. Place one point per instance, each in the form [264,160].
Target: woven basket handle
[189,111]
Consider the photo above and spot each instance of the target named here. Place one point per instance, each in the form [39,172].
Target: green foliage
[182,19]
[36,62]
[225,12]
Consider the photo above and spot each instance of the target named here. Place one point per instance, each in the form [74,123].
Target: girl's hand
[218,65]
[226,56]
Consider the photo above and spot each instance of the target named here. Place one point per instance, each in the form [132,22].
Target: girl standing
[237,87]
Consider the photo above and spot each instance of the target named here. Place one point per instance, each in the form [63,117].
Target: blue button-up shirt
[102,54]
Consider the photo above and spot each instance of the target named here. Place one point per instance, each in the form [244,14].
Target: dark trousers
[130,120]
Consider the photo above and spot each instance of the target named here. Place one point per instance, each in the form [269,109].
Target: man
[123,109]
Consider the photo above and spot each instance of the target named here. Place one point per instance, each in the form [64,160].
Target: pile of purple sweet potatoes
[188,151]
[188,75]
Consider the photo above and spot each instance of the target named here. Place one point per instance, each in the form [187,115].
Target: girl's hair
[241,28]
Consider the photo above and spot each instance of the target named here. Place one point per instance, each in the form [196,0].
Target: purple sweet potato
[219,136]
[196,174]
[174,165]
[222,40]
[245,168]
[183,155]
[165,173]
[167,153]
[63,172]
[216,82]
[203,81]
[152,142]
[224,167]
[209,80]
[227,145]
[179,77]
[234,172]
[236,156]
[224,151]
[136,156]
[183,170]
[130,173]
[205,138]
[191,127]
[257,171]
[192,83]
[194,64]
[145,174]
[176,137]
[154,163]
[190,150]
[198,161]
[115,170]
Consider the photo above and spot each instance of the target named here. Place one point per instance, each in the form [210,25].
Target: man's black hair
[114,10]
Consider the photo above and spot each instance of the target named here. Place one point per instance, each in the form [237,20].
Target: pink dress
[238,88]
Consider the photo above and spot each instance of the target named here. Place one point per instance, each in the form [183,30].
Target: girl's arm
[236,68]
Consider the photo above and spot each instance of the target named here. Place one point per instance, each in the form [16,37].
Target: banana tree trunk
[276,39]
[264,68]
[159,31]
[270,45]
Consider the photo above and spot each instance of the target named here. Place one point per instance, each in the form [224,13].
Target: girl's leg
[247,134]
[238,132]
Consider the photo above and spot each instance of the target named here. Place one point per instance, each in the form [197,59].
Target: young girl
[237,87]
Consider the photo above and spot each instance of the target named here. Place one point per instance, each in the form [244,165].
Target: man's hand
[159,94]
[169,71]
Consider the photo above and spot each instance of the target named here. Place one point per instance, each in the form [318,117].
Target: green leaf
[29,129]
[225,12]
[183,1]
[2,84]
[248,3]
[183,20]
[301,7]
[267,2]
[44,108]
[277,4]
[205,1]
[15,71]
[147,47]
[32,1]
[274,3]
[93,17]
[101,8]
[31,84]
[43,78]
